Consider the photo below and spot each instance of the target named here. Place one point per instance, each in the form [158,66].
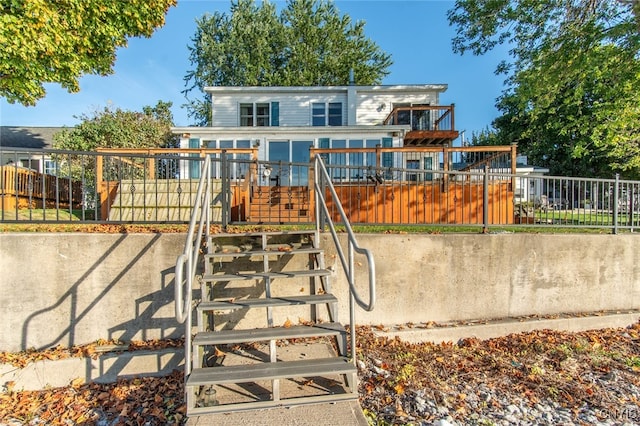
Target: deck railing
[24,188]
[423,117]
[376,186]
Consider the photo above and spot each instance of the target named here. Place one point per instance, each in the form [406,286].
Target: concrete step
[343,413]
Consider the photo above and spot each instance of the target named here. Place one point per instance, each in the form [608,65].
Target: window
[257,114]
[323,114]
[418,119]
[413,165]
[50,167]
[317,114]
[239,165]
[349,166]
[335,114]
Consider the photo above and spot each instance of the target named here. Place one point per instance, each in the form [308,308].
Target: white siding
[373,108]
[295,109]
[372,104]
[225,113]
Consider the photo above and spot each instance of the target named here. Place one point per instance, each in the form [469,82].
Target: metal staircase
[266,327]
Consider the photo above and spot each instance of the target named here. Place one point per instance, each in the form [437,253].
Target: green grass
[45,214]
[552,222]
[582,217]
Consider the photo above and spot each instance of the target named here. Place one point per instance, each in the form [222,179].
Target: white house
[284,122]
[26,145]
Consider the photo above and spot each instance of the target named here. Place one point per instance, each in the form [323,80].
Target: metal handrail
[347,264]
[189,258]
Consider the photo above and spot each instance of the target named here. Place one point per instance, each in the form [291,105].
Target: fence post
[485,200]
[616,191]
[226,188]
[445,168]
[311,183]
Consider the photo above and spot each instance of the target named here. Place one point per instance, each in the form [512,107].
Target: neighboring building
[285,122]
[29,139]
[535,190]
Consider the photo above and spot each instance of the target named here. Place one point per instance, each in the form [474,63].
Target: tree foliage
[117,128]
[571,101]
[309,43]
[58,41]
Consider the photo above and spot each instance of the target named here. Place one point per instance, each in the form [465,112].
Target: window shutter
[387,157]
[275,113]
[323,143]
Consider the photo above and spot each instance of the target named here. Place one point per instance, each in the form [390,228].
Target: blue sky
[415,33]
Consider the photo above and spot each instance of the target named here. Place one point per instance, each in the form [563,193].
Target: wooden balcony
[429,124]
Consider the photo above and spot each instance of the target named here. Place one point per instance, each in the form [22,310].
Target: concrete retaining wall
[66,289]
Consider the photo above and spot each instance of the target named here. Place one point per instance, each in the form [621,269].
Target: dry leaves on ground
[21,359]
[142,401]
[536,366]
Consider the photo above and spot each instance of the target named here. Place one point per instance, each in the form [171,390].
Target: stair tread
[267,302]
[305,250]
[270,370]
[258,234]
[271,333]
[272,274]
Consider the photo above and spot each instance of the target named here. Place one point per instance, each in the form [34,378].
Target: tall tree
[59,41]
[308,43]
[570,101]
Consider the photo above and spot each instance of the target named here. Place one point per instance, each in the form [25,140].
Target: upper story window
[326,114]
[257,114]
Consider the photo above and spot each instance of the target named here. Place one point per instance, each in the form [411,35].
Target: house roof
[397,88]
[27,137]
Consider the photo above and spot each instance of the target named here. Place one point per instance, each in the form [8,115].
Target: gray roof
[27,137]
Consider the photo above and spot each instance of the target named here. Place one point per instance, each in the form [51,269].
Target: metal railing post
[616,194]
[485,200]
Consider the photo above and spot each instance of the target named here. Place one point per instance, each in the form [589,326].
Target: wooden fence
[22,188]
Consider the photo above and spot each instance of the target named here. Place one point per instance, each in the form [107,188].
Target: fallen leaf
[77,382]
[399,410]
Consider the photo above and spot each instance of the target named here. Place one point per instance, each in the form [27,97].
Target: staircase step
[259,234]
[270,370]
[266,302]
[260,275]
[249,253]
[263,334]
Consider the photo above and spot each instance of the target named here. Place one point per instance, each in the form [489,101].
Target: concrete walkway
[341,413]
